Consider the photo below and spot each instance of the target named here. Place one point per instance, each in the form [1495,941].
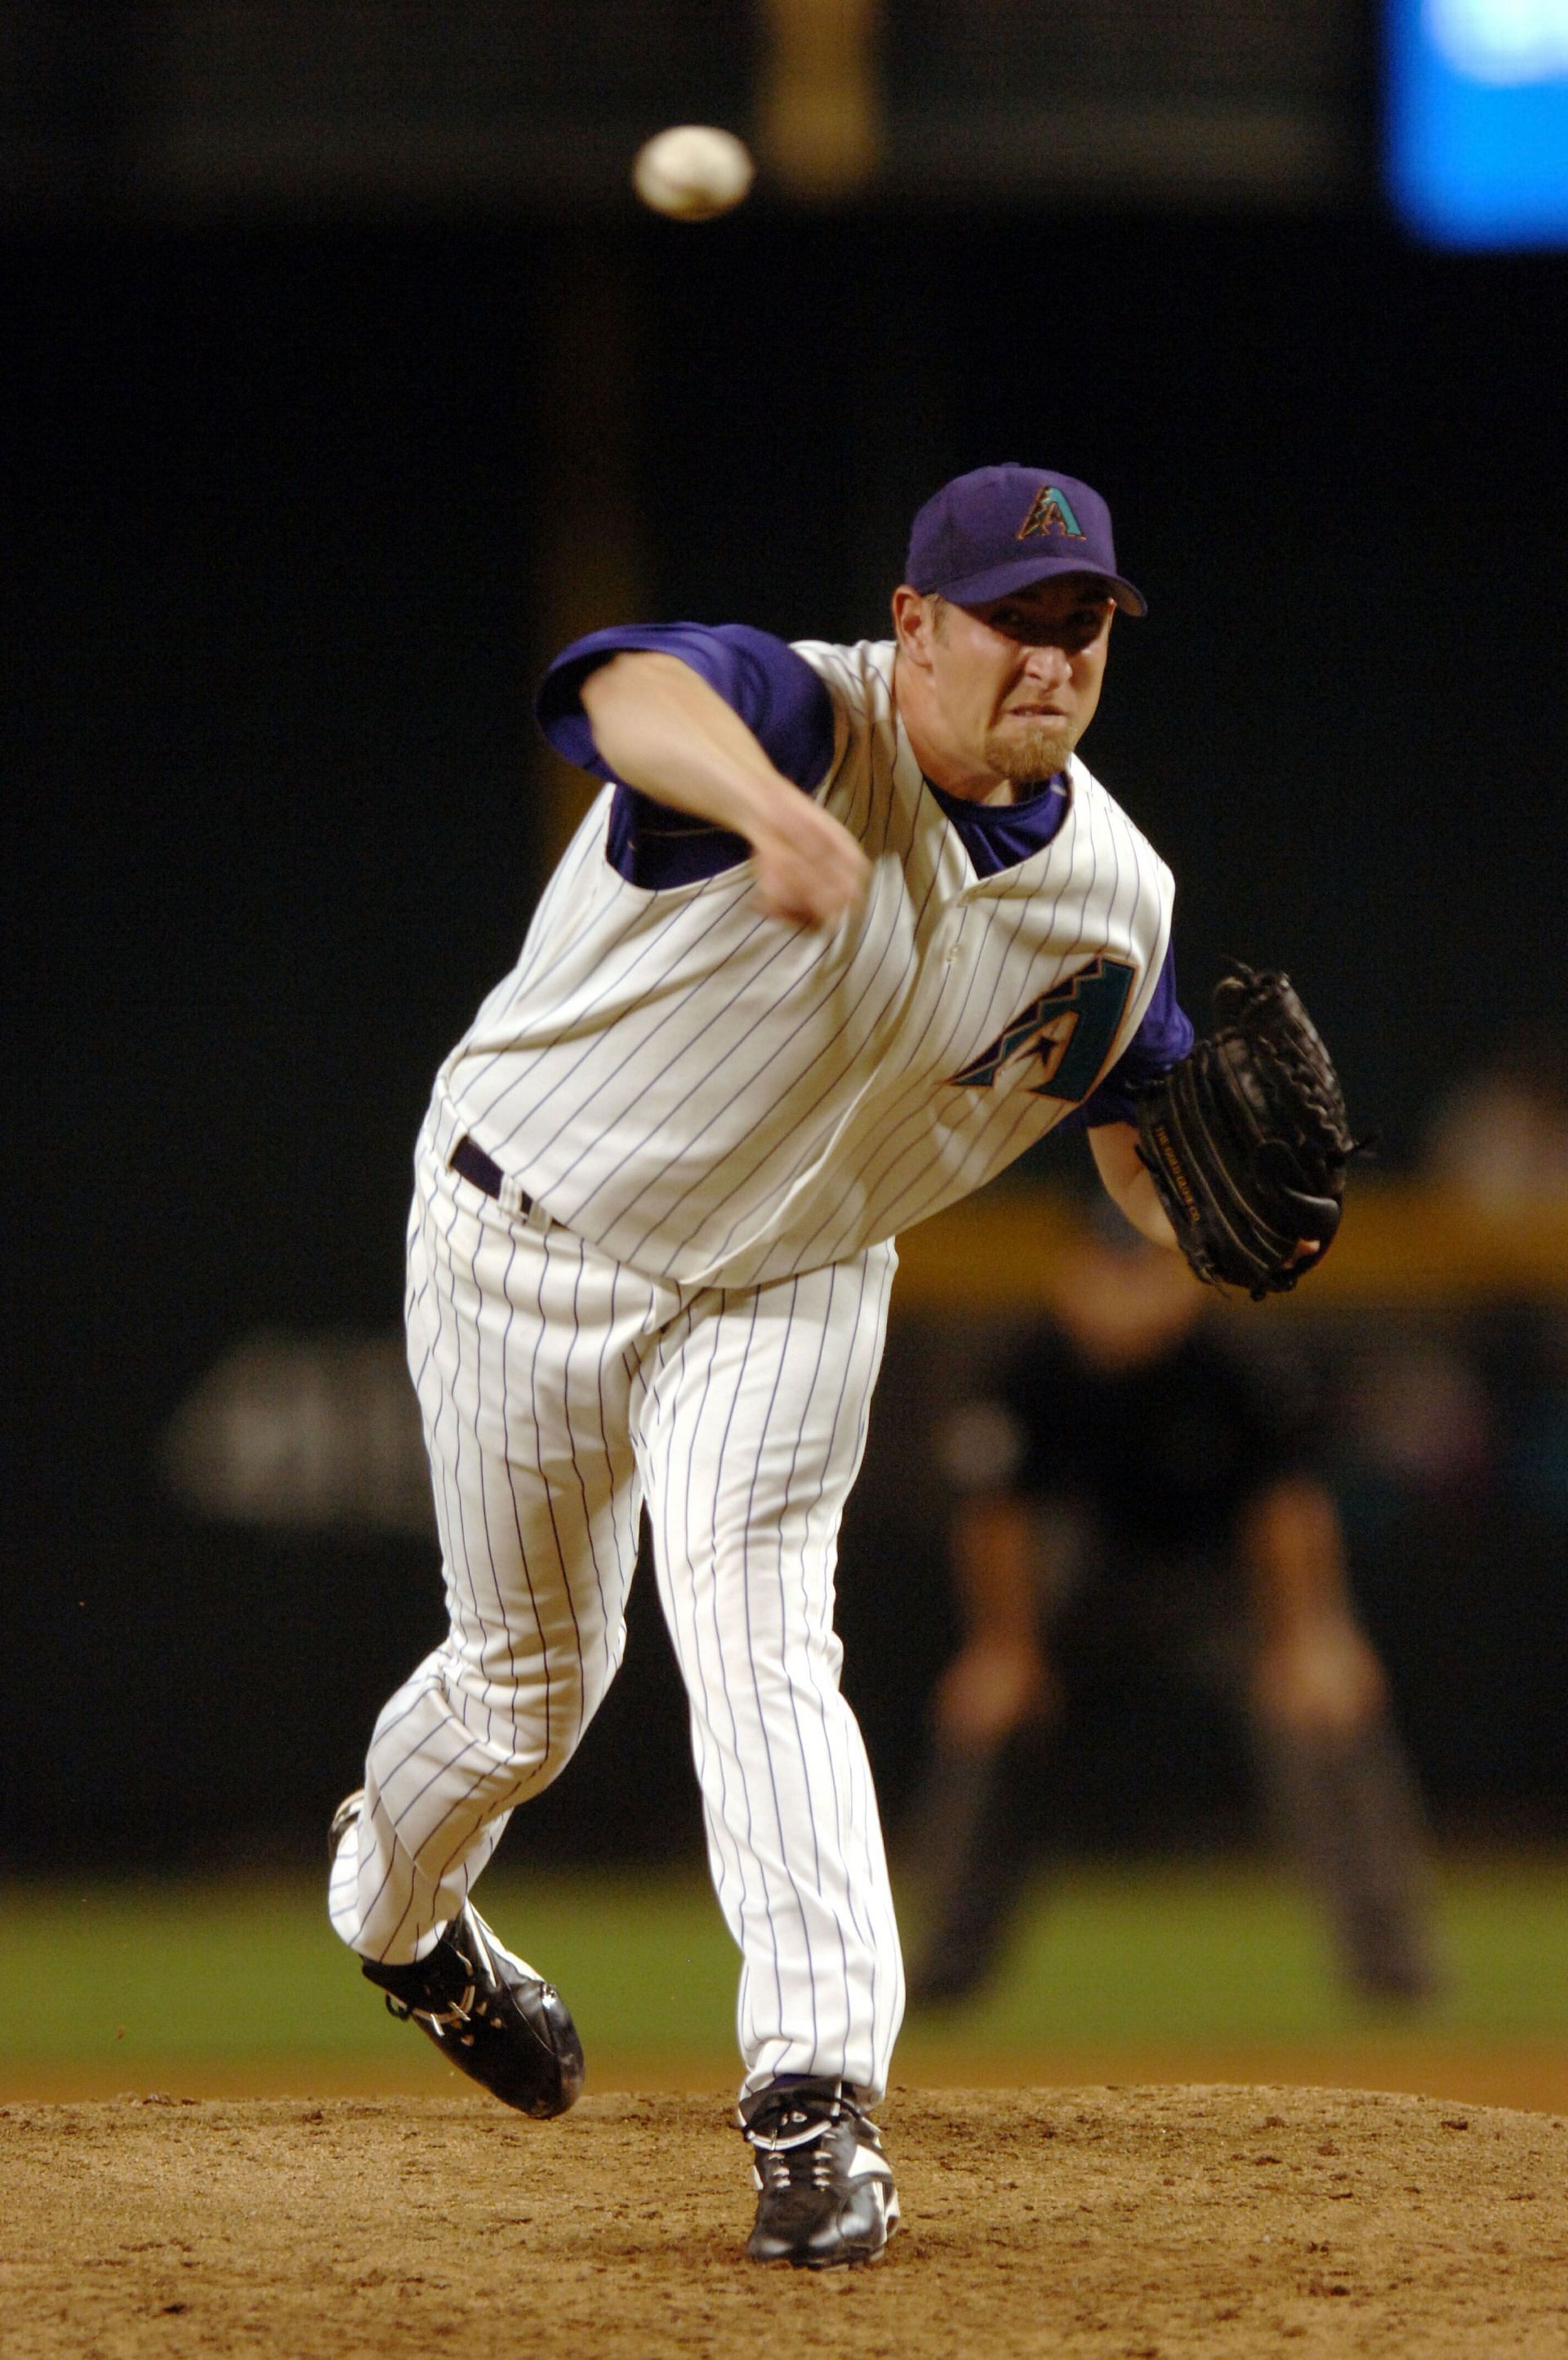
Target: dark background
[274,607]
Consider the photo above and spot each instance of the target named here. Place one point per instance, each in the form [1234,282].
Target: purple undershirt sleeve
[775,692]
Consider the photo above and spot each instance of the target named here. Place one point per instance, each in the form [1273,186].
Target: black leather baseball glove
[1248,1140]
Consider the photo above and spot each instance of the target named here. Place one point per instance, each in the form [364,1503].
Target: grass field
[1183,1972]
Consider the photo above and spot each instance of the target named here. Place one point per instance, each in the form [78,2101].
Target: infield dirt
[1148,2224]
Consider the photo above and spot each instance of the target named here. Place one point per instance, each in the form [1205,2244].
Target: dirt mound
[1167,2221]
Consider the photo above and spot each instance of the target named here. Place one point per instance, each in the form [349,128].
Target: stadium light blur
[1477,122]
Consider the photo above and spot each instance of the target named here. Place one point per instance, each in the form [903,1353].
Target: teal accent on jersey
[1071,1028]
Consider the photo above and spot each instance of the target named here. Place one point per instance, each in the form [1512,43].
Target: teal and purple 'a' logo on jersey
[1071,1028]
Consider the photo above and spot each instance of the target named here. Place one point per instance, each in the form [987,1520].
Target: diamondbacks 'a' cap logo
[1050,510]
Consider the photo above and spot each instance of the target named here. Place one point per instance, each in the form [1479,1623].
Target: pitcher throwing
[848,929]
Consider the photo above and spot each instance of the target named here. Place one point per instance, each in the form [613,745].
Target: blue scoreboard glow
[1477,120]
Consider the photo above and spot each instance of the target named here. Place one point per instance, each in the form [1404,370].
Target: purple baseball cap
[1000,528]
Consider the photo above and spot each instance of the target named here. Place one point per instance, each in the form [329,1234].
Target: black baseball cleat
[824,2191]
[489,2013]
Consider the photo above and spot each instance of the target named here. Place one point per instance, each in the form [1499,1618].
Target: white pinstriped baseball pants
[560,1391]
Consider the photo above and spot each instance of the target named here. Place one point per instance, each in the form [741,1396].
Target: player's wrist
[772,811]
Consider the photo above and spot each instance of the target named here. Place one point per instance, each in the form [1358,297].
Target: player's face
[1002,692]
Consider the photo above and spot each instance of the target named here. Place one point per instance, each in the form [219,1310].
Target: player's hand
[1319,1680]
[992,1687]
[809,868]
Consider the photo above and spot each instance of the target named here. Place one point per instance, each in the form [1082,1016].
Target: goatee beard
[1028,757]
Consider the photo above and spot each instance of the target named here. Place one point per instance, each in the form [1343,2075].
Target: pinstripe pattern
[721,1121]
[753,1429]
[558,1391]
[712,1097]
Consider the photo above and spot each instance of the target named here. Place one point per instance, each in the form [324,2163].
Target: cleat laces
[825,2193]
[799,2153]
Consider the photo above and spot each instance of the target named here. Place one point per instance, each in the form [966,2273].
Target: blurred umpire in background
[1144,1481]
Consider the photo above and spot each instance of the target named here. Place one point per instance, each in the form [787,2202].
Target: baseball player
[1144,1484]
[846,930]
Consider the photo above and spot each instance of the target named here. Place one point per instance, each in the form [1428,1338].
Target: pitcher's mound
[1115,2222]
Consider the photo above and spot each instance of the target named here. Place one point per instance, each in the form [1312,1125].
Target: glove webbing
[1263,1021]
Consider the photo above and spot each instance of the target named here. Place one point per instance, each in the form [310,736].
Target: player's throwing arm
[666,733]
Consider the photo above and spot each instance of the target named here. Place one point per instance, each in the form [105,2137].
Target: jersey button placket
[944,938]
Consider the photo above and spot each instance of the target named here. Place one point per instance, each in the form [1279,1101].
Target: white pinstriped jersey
[713,1096]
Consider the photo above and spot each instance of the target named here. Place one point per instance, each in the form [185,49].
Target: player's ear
[914,623]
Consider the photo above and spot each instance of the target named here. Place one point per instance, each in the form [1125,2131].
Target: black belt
[469,1158]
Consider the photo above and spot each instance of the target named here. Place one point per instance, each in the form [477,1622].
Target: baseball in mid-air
[693,172]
